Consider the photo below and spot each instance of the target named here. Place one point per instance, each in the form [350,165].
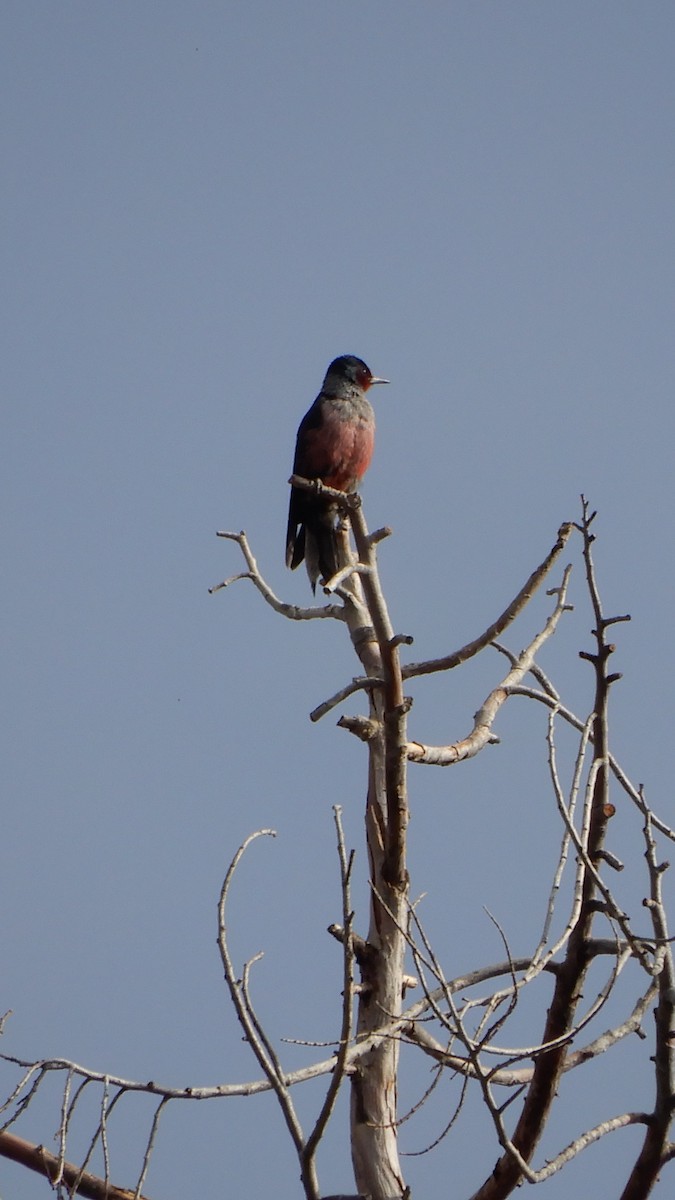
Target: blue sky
[204,204]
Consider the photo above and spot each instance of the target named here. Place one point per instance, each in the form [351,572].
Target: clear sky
[204,203]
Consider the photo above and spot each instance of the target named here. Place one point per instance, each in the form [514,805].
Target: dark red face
[364,377]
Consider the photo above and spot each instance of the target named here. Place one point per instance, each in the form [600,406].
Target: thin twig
[292,611]
[572,719]
[507,617]
[338,1075]
[481,734]
[150,1147]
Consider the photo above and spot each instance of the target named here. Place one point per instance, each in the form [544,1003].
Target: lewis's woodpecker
[334,444]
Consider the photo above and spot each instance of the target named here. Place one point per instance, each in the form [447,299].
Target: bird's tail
[321,546]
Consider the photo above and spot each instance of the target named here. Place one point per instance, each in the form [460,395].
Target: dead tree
[461,1024]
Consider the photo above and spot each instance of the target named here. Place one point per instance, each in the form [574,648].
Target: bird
[334,445]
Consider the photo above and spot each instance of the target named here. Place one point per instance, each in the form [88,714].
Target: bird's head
[348,369]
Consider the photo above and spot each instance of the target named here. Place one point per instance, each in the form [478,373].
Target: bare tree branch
[291,611]
[51,1166]
[655,1145]
[509,615]
[553,702]
[464,1025]
[253,1032]
[572,971]
[339,1072]
[481,734]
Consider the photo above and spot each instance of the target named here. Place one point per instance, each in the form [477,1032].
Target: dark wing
[295,532]
[302,465]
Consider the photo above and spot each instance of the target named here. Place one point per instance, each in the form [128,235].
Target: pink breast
[341,451]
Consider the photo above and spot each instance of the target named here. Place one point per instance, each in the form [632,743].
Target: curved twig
[292,611]
[509,615]
[481,734]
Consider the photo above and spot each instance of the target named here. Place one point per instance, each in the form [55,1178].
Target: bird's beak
[376,379]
